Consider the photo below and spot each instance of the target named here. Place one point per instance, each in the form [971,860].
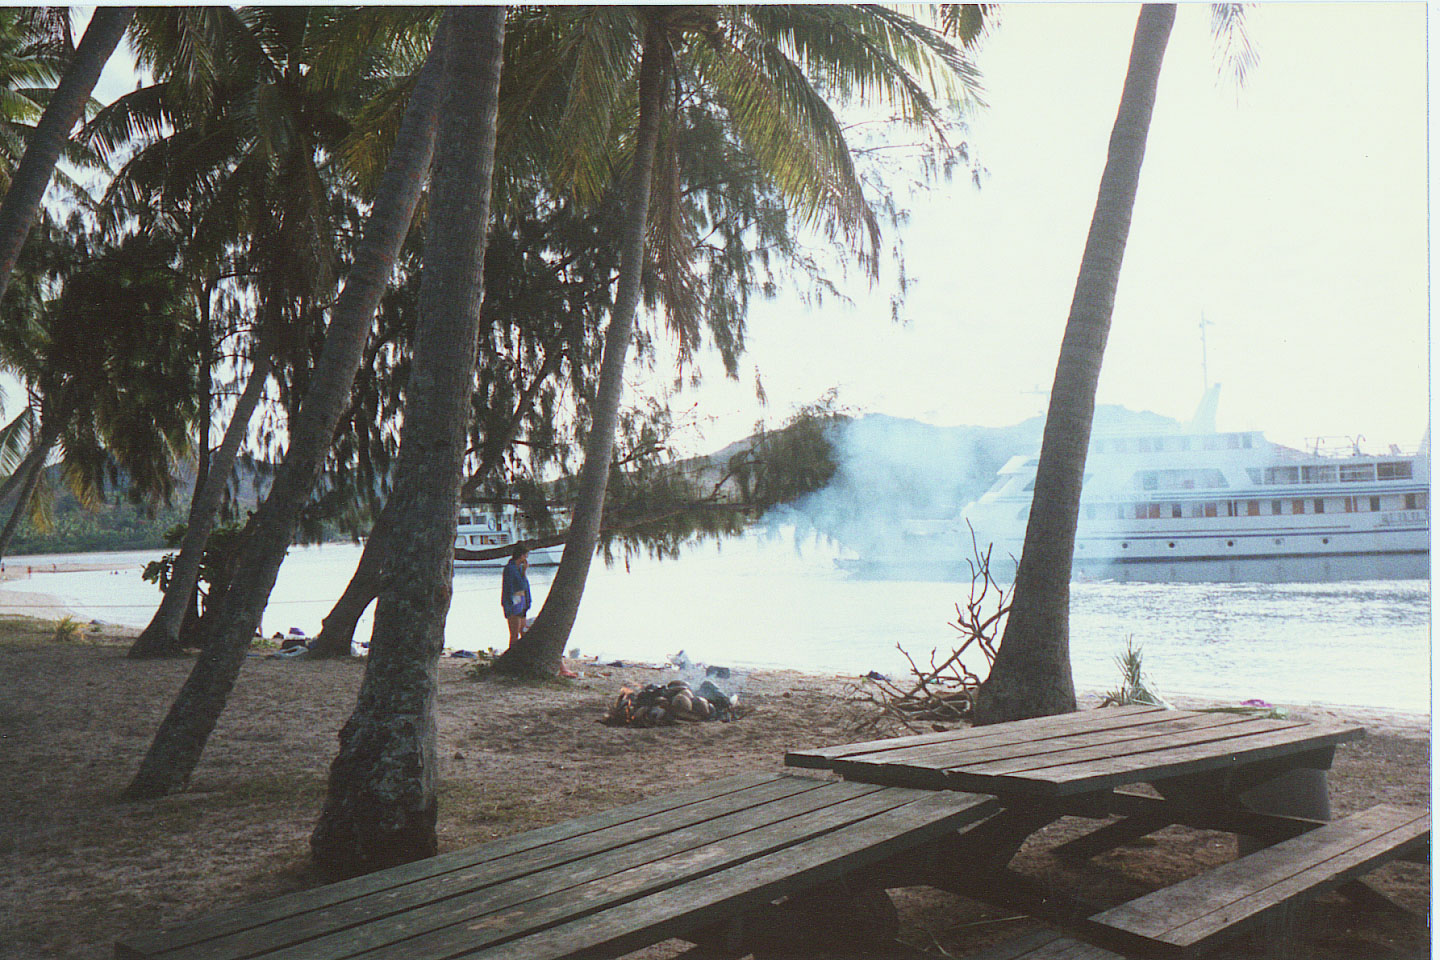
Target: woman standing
[515,591]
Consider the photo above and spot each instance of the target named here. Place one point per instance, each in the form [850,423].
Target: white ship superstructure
[1229,506]
[489,528]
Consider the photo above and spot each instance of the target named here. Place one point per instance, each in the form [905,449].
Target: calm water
[768,602]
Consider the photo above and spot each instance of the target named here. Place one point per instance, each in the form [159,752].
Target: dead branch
[941,692]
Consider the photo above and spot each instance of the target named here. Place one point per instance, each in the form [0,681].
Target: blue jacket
[514,590]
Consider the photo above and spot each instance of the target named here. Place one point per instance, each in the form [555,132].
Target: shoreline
[1410,724]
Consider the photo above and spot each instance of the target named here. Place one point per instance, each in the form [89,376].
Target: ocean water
[773,601]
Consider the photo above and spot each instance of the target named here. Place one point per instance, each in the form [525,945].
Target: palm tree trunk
[381,806]
[1031,676]
[32,176]
[538,652]
[337,630]
[161,637]
[183,733]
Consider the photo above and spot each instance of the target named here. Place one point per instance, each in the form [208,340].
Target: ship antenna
[1204,355]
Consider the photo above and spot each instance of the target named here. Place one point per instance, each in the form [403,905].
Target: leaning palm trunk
[537,653]
[381,806]
[1031,675]
[183,733]
[32,176]
[337,630]
[161,637]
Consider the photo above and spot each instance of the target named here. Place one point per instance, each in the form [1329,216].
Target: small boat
[483,530]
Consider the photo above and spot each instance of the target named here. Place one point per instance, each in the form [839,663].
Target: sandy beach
[84,868]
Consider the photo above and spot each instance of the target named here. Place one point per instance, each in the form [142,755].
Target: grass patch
[26,630]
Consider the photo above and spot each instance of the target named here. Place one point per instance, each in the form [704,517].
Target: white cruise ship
[1198,505]
[490,528]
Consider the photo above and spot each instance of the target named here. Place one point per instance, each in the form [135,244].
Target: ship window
[1232,509]
[1089,513]
[1323,474]
[1282,475]
[1354,472]
[1374,504]
[1149,481]
[1233,442]
[1120,512]
[1140,511]
[1297,506]
[1154,510]
[1245,441]
[1255,474]
[1277,506]
[1175,510]
[1410,501]
[1211,509]
[1397,470]
[1212,443]
[1319,505]
[1172,544]
[1424,499]
[1252,508]
[1349,504]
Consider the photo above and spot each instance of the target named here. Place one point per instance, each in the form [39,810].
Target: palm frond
[1235,56]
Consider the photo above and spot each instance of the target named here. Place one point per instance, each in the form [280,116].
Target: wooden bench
[1197,914]
[602,885]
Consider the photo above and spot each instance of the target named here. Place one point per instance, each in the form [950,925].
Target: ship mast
[1204,355]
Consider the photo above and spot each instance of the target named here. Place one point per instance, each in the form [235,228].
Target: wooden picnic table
[1201,764]
[1087,754]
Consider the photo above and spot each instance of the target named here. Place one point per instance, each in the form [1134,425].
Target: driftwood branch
[942,691]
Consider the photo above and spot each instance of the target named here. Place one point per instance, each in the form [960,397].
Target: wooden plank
[377,919]
[555,907]
[1043,945]
[1104,773]
[820,758]
[677,910]
[1199,911]
[1106,741]
[1198,734]
[743,788]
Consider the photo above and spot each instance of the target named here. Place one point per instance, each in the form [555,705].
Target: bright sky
[1294,217]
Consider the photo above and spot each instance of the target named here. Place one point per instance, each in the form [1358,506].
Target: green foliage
[1135,687]
[67,630]
[115,525]
[216,563]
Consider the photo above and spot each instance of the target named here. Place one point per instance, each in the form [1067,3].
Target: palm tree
[744,55]
[105,361]
[52,133]
[182,735]
[381,806]
[1031,675]
[250,122]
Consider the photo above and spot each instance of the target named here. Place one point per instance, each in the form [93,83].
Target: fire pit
[656,705]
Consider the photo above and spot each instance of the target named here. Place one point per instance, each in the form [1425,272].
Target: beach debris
[944,690]
[656,705]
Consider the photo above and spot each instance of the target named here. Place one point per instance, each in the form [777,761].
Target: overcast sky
[1293,215]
